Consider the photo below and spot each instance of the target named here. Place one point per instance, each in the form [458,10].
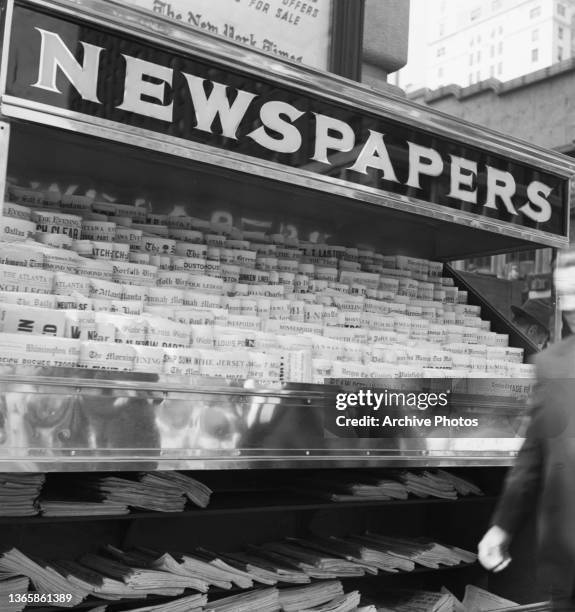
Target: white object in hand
[493,550]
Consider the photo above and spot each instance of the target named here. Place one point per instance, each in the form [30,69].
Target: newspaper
[480,600]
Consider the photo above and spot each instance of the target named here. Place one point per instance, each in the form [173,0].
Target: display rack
[88,135]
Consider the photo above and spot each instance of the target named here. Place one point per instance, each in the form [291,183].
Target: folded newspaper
[295,599]
[477,599]
[260,600]
[18,494]
[11,584]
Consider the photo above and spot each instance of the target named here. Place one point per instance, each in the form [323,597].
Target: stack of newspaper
[11,586]
[462,485]
[98,584]
[200,571]
[294,599]
[380,486]
[362,487]
[264,570]
[45,578]
[480,600]
[422,551]
[64,507]
[313,562]
[245,564]
[115,575]
[377,489]
[191,603]
[373,552]
[141,580]
[428,483]
[370,553]
[343,603]
[438,483]
[338,548]
[111,495]
[18,494]
[238,577]
[197,492]
[475,600]
[135,494]
[262,600]
[162,492]
[417,601]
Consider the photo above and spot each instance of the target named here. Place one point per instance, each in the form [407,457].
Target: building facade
[468,42]
[539,108]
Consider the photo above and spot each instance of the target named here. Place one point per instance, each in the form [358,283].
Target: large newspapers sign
[73,66]
[291,29]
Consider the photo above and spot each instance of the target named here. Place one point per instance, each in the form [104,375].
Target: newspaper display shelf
[108,103]
[61,116]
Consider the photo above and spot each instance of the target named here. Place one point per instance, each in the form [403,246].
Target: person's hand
[494,549]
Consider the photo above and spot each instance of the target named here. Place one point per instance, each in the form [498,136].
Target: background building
[462,43]
[538,107]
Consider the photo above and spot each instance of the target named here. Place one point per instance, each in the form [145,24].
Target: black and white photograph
[287,305]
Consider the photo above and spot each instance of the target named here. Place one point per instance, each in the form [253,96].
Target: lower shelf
[126,605]
[236,504]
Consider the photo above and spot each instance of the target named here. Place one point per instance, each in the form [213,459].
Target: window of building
[534,55]
[441,29]
[475,13]
[499,68]
[561,10]
[500,47]
[478,74]
[491,71]
[492,33]
[478,38]
[440,51]
[479,56]
[535,35]
[535,12]
[492,51]
[500,29]
[439,73]
[560,33]
[559,54]
[471,60]
[471,79]
[496,5]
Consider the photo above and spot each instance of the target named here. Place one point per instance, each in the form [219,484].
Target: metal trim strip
[6,37]
[25,110]
[166,390]
[251,453]
[4,147]
[41,463]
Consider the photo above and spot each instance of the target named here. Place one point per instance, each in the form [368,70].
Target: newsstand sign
[94,72]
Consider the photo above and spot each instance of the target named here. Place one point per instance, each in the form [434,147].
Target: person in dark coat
[543,477]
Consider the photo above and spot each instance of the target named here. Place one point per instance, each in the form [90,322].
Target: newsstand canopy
[126,75]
